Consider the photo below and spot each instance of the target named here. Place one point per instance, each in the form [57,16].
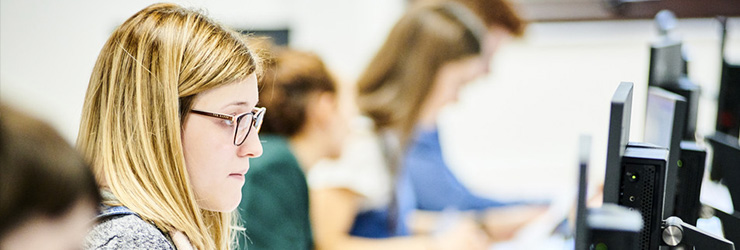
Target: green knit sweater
[274,206]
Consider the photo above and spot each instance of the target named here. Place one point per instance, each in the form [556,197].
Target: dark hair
[289,80]
[40,173]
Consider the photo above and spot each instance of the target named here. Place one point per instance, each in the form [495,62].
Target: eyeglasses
[241,127]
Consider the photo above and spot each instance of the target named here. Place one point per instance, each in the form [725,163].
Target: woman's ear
[321,108]
[325,107]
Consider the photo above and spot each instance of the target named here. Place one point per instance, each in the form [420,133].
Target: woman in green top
[304,127]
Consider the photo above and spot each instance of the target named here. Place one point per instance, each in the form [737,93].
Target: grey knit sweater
[120,228]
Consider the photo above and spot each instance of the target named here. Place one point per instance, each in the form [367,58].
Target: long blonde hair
[143,83]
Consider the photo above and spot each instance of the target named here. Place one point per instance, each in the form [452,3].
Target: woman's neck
[307,150]
[428,116]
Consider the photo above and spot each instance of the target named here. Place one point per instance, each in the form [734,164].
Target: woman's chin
[226,206]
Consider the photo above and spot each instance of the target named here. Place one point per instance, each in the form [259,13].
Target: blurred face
[491,43]
[337,127]
[325,127]
[215,165]
[452,76]
[42,232]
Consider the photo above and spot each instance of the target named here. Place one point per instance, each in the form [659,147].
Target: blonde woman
[169,124]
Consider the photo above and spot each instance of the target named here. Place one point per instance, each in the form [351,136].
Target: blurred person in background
[169,124]
[429,54]
[305,126]
[426,182]
[48,195]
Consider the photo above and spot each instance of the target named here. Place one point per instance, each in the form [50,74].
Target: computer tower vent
[647,205]
[638,192]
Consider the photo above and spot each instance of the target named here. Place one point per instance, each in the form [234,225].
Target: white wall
[48,47]
[513,134]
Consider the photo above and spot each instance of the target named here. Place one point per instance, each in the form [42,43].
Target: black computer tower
[642,188]
[688,186]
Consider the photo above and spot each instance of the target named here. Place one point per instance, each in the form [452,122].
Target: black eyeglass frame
[257,114]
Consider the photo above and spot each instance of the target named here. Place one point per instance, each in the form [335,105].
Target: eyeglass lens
[243,127]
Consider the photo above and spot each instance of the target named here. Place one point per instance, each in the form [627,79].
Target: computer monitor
[279,37]
[636,172]
[666,63]
[664,123]
[728,102]
[663,117]
[726,163]
[669,70]
[619,131]
[692,92]
[582,229]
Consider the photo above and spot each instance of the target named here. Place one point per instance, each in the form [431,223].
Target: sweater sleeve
[434,185]
[126,232]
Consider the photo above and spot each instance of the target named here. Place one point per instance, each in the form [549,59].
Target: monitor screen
[619,131]
[666,63]
[661,116]
[582,231]
[728,103]
[664,124]
[279,37]
[726,163]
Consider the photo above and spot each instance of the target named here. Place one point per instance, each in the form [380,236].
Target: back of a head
[494,13]
[394,86]
[40,173]
[291,78]
[141,90]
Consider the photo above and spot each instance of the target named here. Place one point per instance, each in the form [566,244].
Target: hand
[465,234]
[503,223]
[597,198]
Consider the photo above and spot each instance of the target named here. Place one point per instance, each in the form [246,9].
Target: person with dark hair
[48,195]
[304,127]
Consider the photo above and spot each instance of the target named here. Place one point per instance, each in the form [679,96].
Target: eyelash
[228,123]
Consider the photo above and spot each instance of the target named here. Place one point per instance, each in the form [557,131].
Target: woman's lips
[240,174]
[237,176]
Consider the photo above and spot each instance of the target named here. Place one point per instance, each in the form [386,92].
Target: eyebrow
[238,103]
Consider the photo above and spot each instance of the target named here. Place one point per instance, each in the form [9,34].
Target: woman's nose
[252,146]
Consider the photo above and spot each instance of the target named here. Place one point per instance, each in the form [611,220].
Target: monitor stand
[675,232]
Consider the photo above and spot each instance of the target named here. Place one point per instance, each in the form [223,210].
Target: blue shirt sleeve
[433,185]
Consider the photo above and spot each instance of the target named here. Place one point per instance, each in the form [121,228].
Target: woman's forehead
[240,93]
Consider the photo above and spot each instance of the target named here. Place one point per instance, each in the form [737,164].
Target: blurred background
[513,134]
